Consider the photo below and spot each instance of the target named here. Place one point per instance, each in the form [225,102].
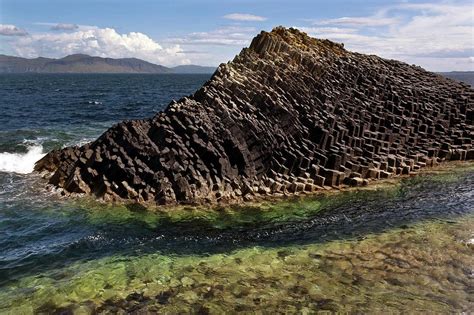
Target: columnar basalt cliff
[290,114]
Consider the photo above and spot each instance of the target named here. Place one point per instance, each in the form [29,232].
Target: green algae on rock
[289,114]
[263,210]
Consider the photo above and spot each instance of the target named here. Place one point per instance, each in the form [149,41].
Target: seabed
[343,252]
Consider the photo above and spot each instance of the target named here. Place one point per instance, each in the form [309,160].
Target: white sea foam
[79,143]
[22,163]
[94,102]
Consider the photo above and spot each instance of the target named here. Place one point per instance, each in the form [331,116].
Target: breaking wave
[22,163]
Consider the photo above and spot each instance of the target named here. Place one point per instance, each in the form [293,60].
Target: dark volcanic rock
[288,115]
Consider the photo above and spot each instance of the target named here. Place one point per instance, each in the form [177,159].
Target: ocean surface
[401,246]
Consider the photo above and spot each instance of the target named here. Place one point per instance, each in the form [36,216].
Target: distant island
[463,76]
[81,63]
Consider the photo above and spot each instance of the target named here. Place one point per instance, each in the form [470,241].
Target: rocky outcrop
[290,114]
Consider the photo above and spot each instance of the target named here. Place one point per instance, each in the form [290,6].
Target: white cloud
[215,46]
[64,27]
[225,36]
[103,42]
[438,37]
[11,30]
[244,17]
[328,30]
[359,21]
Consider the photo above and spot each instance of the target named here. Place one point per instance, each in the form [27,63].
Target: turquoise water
[402,246]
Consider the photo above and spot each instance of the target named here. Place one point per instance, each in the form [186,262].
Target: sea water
[404,246]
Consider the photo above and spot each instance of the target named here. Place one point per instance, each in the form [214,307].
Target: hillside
[462,76]
[80,63]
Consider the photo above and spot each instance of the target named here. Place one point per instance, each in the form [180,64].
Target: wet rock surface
[289,115]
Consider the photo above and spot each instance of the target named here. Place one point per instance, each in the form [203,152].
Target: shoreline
[257,199]
[158,280]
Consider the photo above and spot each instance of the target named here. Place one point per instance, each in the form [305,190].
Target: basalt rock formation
[290,114]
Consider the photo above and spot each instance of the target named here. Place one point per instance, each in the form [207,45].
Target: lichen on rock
[290,114]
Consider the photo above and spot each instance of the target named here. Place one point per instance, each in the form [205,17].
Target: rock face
[290,114]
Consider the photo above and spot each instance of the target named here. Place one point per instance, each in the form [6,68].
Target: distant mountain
[80,63]
[193,69]
[463,76]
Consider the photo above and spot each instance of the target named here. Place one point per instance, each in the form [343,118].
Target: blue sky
[438,35]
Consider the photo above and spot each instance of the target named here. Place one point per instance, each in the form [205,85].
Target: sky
[437,35]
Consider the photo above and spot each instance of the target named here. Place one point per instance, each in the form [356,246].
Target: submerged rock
[289,115]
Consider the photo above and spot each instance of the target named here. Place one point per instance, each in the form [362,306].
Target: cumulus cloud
[11,30]
[103,42]
[244,17]
[436,36]
[64,27]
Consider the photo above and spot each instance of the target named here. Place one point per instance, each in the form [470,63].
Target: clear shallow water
[400,247]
